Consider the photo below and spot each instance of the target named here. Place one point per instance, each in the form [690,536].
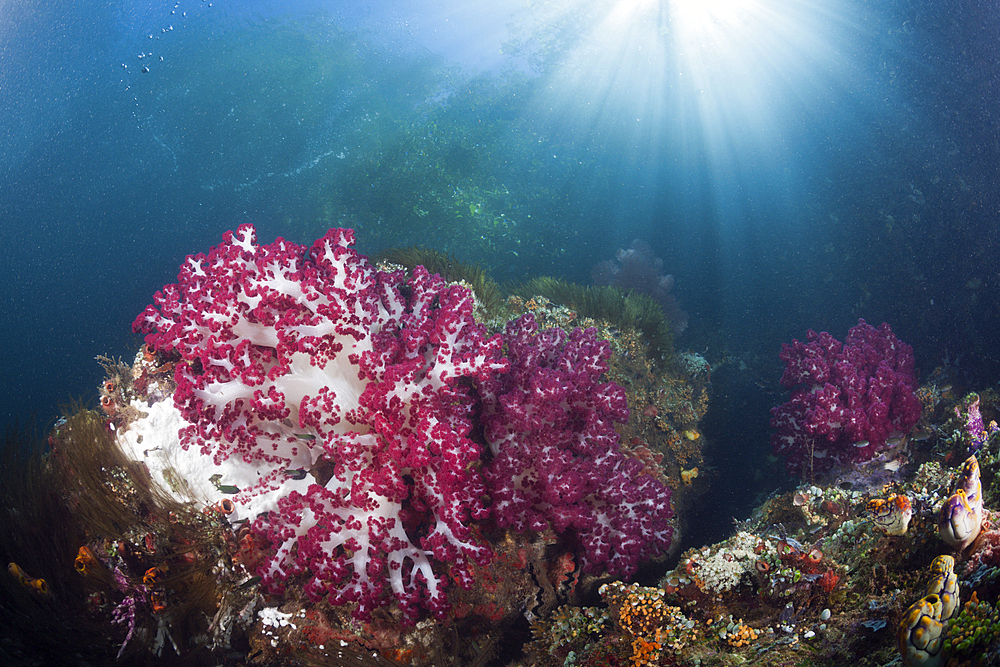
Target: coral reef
[316,460]
[826,574]
[313,458]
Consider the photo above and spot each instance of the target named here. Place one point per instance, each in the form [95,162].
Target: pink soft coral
[847,399]
[309,359]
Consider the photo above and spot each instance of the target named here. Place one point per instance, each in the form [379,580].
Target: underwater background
[794,165]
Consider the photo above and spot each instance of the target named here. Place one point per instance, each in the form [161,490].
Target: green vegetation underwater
[529,333]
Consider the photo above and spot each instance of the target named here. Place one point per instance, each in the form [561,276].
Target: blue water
[794,165]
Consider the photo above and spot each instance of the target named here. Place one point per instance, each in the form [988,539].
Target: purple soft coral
[557,463]
[847,399]
[639,270]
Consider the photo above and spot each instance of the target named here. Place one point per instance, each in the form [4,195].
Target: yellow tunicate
[692,435]
[37,585]
[688,475]
[18,574]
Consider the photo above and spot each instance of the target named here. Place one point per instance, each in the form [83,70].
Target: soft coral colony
[847,398]
[346,413]
[295,360]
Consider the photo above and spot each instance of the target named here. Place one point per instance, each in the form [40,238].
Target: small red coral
[828,581]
